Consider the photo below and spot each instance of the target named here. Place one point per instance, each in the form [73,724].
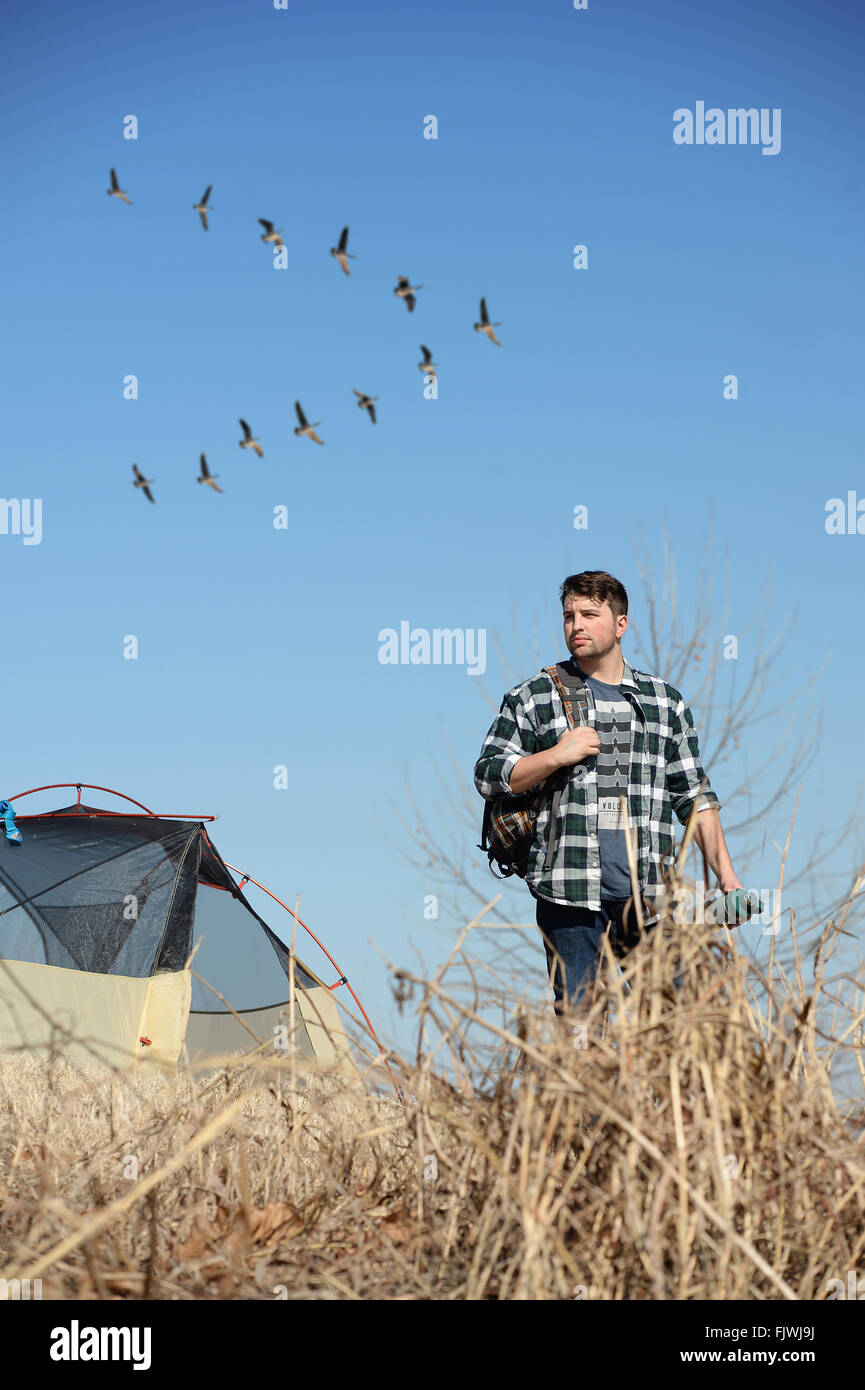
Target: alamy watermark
[20,1290]
[732,127]
[77,1343]
[21,516]
[687,907]
[854,1288]
[441,646]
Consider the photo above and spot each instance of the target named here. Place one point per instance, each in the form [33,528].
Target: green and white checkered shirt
[665,776]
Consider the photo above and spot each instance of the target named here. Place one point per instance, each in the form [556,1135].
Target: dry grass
[688,1144]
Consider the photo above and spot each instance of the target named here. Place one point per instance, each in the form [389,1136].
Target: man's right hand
[572,747]
[576,744]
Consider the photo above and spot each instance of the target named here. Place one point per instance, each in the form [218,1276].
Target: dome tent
[99,914]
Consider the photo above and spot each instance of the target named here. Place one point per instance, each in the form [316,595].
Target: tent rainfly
[99,914]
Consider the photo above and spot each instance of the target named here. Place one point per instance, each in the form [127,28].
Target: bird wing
[302,421]
[343,239]
[203,215]
[410,301]
[372,413]
[247,432]
[484,314]
[359,394]
[114,183]
[149,495]
[268,226]
[204,472]
[138,473]
[207,194]
[427,355]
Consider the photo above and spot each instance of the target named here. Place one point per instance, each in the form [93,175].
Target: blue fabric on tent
[12,832]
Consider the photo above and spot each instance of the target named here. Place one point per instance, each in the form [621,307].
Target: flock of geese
[273,236]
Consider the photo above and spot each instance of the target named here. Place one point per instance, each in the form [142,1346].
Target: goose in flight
[366,403]
[208,477]
[270,233]
[304,427]
[115,191]
[340,253]
[202,209]
[248,442]
[427,366]
[406,291]
[485,326]
[143,483]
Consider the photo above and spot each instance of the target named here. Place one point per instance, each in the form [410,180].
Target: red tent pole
[92,787]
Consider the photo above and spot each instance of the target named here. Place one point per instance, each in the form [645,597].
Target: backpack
[509,823]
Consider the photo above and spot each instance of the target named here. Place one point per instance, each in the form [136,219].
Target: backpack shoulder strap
[573,700]
[575,703]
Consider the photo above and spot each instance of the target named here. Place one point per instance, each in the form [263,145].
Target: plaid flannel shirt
[665,777]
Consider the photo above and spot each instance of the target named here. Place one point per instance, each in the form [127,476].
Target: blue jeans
[572,939]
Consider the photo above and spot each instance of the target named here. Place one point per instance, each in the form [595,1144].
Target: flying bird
[143,483]
[248,442]
[366,403]
[207,476]
[427,365]
[270,234]
[406,291]
[304,427]
[115,191]
[202,207]
[485,326]
[340,252]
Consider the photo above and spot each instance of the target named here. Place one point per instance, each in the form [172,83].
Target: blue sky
[258,647]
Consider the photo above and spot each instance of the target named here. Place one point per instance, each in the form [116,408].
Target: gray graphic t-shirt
[613,725]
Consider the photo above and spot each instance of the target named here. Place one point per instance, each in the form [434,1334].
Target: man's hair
[597,585]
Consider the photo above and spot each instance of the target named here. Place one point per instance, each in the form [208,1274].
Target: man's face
[590,627]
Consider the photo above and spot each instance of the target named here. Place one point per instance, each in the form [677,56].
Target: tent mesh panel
[129,895]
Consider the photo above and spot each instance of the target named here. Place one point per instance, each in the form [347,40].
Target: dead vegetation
[669,1143]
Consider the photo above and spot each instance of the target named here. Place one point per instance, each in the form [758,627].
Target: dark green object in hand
[733,908]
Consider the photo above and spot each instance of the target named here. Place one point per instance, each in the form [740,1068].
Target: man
[637,741]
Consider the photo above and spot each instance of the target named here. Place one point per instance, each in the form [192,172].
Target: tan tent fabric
[320,1037]
[101,1019]
[219,1034]
[325,1029]
[163,1017]
[90,1018]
